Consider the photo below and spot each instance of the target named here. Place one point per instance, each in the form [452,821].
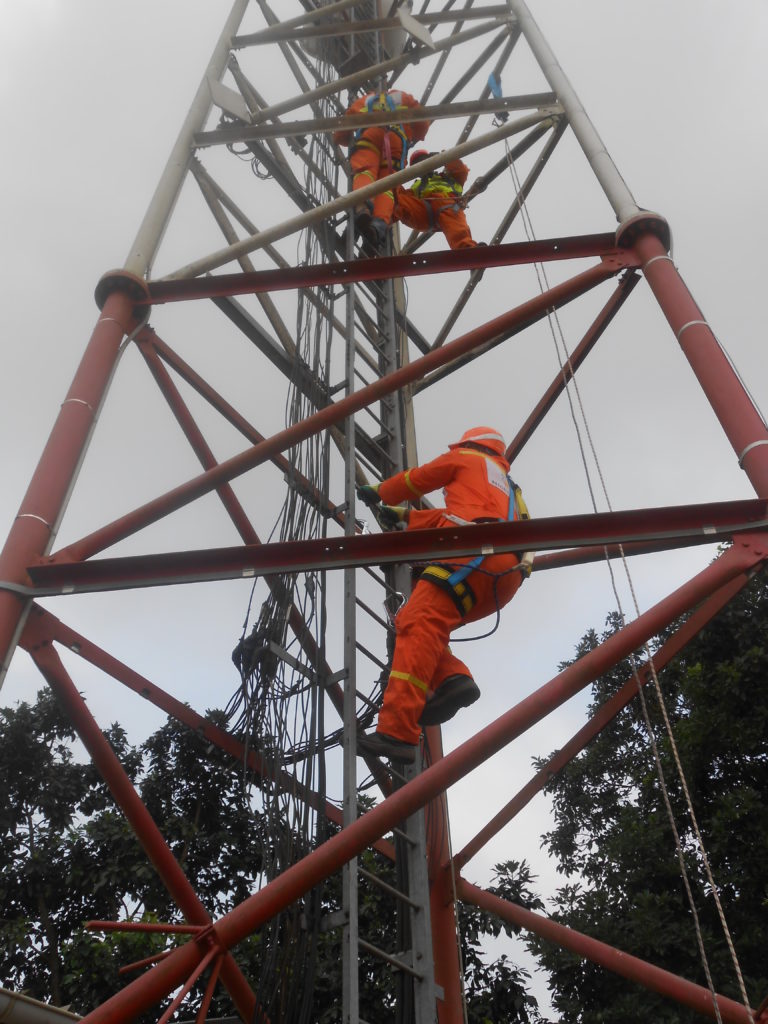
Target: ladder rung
[379,579]
[366,463]
[398,775]
[334,920]
[386,887]
[373,614]
[399,964]
[372,657]
[380,422]
[289,659]
[382,451]
[373,705]
[404,835]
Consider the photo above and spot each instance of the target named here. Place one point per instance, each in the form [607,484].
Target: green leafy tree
[67,856]
[498,990]
[612,834]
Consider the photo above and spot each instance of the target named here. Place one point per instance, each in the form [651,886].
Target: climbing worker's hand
[389,517]
[369,494]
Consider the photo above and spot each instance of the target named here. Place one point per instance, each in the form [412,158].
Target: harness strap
[459,575]
[454,582]
[363,144]
[388,152]
[459,591]
[383,101]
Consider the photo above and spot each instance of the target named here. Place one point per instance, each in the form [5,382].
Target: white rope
[541,275]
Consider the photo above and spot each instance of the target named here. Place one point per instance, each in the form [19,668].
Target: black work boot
[383,745]
[375,232]
[362,222]
[454,693]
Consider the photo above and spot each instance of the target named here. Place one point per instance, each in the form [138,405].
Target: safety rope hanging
[569,381]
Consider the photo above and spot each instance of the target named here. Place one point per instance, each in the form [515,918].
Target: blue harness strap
[460,574]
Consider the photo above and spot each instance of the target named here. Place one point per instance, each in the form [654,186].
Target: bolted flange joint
[122,281]
[644,223]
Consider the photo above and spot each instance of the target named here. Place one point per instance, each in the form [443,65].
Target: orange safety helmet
[485,436]
[418,155]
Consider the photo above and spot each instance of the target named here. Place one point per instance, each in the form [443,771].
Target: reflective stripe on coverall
[475,487]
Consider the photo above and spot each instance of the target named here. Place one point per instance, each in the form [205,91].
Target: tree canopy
[613,839]
[68,856]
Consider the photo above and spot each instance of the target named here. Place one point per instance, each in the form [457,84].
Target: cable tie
[691,323]
[31,515]
[653,260]
[754,444]
[77,401]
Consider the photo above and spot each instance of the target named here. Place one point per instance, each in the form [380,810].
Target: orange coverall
[432,204]
[379,151]
[475,488]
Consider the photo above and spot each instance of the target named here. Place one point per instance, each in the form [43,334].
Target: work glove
[369,494]
[389,517]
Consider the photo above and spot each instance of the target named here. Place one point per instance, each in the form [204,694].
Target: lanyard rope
[565,364]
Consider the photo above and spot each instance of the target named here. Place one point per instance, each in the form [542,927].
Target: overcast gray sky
[92,97]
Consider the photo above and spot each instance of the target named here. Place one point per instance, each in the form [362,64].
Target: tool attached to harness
[454,581]
[494,84]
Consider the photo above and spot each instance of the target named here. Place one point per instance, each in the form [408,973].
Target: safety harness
[384,101]
[440,185]
[454,580]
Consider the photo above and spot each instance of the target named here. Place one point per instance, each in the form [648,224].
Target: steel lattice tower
[355,345]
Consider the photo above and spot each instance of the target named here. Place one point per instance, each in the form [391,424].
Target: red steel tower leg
[743,425]
[34,530]
[443,910]
[147,832]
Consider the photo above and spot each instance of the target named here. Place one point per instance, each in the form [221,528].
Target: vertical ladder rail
[416,1000]
[350,956]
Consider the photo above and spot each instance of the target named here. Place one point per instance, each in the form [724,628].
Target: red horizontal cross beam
[704,523]
[654,978]
[380,267]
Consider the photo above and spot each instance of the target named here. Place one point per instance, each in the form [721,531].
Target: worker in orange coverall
[376,152]
[433,203]
[427,684]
